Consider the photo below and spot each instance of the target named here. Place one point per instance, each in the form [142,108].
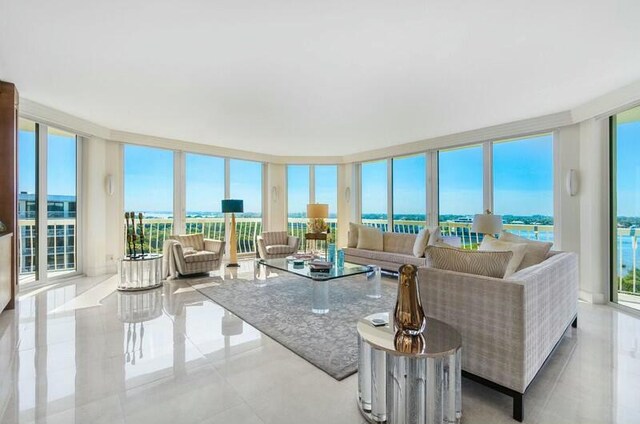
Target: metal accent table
[403,380]
[141,273]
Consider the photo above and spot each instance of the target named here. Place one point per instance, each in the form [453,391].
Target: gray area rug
[282,310]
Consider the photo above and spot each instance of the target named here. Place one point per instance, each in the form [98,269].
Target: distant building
[61,251]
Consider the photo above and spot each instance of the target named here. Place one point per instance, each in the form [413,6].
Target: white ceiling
[300,77]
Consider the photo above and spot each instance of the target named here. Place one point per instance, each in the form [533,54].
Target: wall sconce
[347,194]
[109,185]
[571,182]
[275,193]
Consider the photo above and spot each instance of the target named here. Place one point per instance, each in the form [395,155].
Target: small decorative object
[233,206]
[340,261]
[332,253]
[409,317]
[141,233]
[317,213]
[3,228]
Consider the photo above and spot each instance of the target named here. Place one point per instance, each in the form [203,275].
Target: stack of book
[320,266]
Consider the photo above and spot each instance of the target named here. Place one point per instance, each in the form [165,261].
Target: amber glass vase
[409,316]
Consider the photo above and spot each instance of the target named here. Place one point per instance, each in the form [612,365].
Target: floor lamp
[232,206]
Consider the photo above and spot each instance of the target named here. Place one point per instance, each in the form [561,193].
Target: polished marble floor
[81,352]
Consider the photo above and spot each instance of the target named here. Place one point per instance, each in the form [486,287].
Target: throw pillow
[352,239]
[434,236]
[421,243]
[536,253]
[491,244]
[370,238]
[489,264]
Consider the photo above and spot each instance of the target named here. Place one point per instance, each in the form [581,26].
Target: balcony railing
[61,252]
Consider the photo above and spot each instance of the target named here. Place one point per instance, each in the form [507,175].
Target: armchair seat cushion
[276,249]
[200,256]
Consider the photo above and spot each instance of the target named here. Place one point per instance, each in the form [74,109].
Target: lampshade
[232,205]
[317,210]
[487,224]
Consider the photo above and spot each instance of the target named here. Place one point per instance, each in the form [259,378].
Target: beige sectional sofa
[397,250]
[509,326]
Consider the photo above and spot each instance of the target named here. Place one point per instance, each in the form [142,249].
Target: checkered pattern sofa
[194,254]
[509,326]
[276,244]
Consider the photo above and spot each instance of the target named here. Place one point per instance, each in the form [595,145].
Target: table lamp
[487,223]
[232,206]
[317,213]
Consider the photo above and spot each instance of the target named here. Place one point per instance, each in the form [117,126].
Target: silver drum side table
[409,380]
[141,273]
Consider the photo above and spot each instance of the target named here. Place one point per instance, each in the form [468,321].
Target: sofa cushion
[490,264]
[420,244]
[398,243]
[193,241]
[352,237]
[536,253]
[275,238]
[202,256]
[276,249]
[377,256]
[434,236]
[492,244]
[370,238]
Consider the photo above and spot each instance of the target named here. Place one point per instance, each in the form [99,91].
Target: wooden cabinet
[8,188]
[6,241]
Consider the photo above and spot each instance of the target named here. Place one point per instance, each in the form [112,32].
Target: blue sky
[326,189]
[523,178]
[61,170]
[628,169]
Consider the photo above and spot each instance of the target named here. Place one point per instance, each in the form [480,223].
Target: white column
[390,194]
[347,201]
[432,188]
[566,208]
[179,195]
[487,177]
[93,205]
[594,211]
[276,187]
[42,204]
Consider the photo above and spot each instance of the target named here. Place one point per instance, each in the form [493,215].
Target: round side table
[140,273]
[409,380]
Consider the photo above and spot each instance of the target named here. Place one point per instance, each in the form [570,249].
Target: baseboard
[587,296]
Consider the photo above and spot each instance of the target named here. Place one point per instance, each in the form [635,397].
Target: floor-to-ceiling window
[246,184]
[204,193]
[298,196]
[27,199]
[148,189]
[409,181]
[47,174]
[374,198]
[61,201]
[625,207]
[326,191]
[460,191]
[523,185]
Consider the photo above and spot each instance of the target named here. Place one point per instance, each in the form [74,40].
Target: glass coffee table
[320,280]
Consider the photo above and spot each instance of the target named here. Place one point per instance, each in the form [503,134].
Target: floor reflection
[83,352]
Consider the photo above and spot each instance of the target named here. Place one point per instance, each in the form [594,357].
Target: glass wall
[61,201]
[297,200]
[373,179]
[523,185]
[204,194]
[326,191]
[245,182]
[409,193]
[27,200]
[625,198]
[460,191]
[148,189]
